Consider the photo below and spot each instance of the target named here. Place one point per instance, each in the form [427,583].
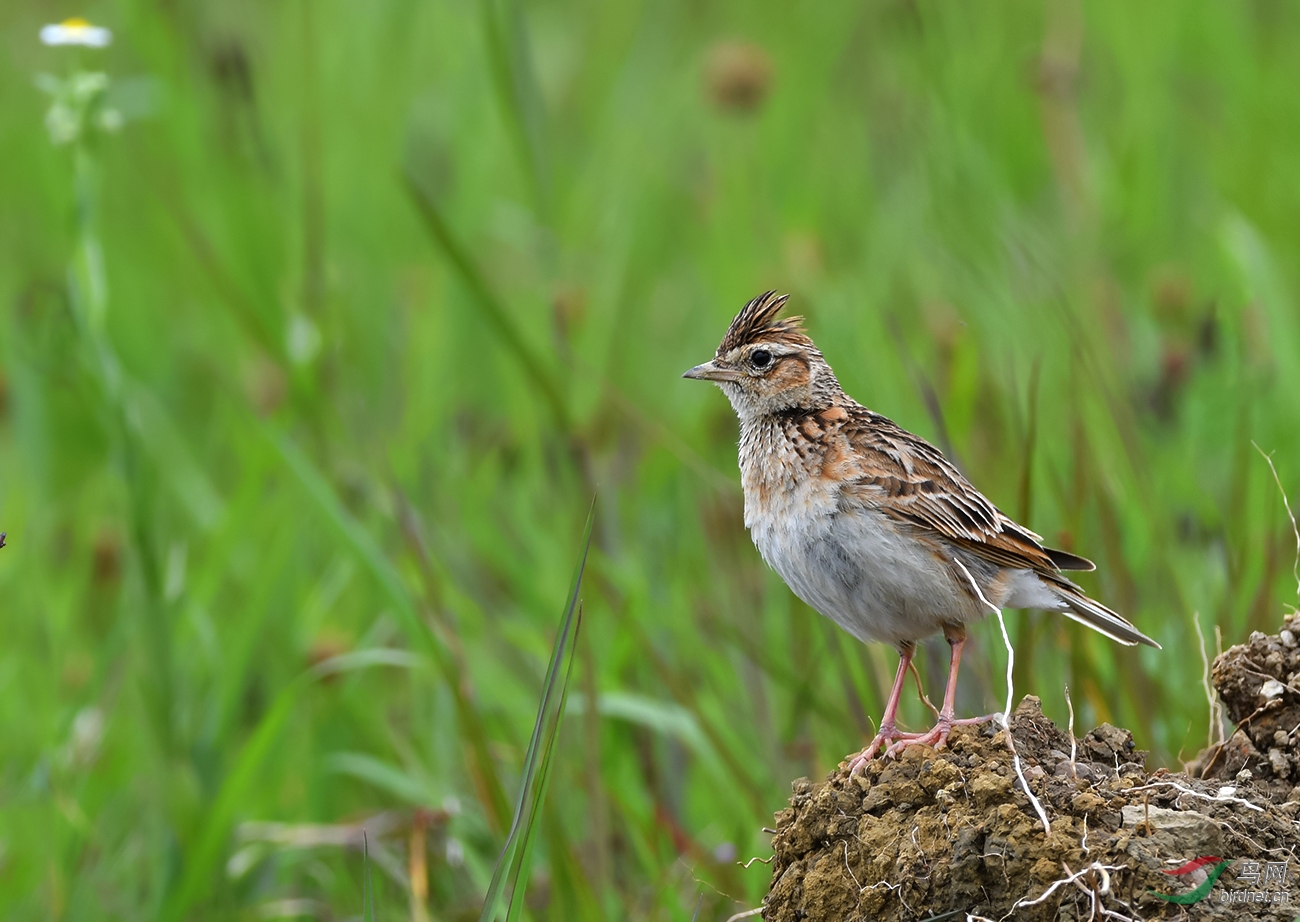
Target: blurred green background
[391,289]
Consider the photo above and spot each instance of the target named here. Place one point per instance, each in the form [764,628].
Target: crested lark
[870,524]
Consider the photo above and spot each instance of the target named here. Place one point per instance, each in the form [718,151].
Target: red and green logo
[1203,889]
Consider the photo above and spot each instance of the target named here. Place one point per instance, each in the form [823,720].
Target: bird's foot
[936,736]
[889,736]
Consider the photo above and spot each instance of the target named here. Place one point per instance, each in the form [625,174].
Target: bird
[870,524]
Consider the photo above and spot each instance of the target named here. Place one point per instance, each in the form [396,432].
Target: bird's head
[765,365]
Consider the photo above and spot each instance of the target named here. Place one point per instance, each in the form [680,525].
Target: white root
[1005,716]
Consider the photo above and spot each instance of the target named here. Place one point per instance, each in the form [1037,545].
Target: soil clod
[952,832]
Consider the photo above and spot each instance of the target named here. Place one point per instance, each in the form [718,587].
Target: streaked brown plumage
[870,524]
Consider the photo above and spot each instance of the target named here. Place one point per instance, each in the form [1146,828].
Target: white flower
[76,32]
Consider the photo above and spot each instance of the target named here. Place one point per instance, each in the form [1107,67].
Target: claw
[936,736]
[897,740]
[859,762]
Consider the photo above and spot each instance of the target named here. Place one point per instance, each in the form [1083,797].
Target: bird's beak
[712,371]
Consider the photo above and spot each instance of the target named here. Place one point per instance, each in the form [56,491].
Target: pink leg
[938,735]
[888,731]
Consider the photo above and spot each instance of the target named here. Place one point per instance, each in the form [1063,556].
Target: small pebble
[1288,639]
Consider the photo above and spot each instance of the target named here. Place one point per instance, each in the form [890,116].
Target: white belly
[858,569]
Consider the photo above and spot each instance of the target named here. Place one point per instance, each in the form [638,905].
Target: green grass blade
[472,277]
[516,80]
[358,539]
[482,768]
[381,775]
[523,856]
[203,860]
[369,893]
[513,863]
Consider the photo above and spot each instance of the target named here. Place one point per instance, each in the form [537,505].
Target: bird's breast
[790,510]
[783,483]
[876,579]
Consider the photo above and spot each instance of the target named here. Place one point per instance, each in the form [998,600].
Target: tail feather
[1101,619]
[1064,560]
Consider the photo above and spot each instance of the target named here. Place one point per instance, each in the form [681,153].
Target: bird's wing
[908,479]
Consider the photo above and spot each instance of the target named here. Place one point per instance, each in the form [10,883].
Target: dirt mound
[1259,685]
[943,834]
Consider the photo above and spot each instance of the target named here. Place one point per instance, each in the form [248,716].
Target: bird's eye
[760,358]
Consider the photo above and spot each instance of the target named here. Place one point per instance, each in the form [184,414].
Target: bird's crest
[757,321]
